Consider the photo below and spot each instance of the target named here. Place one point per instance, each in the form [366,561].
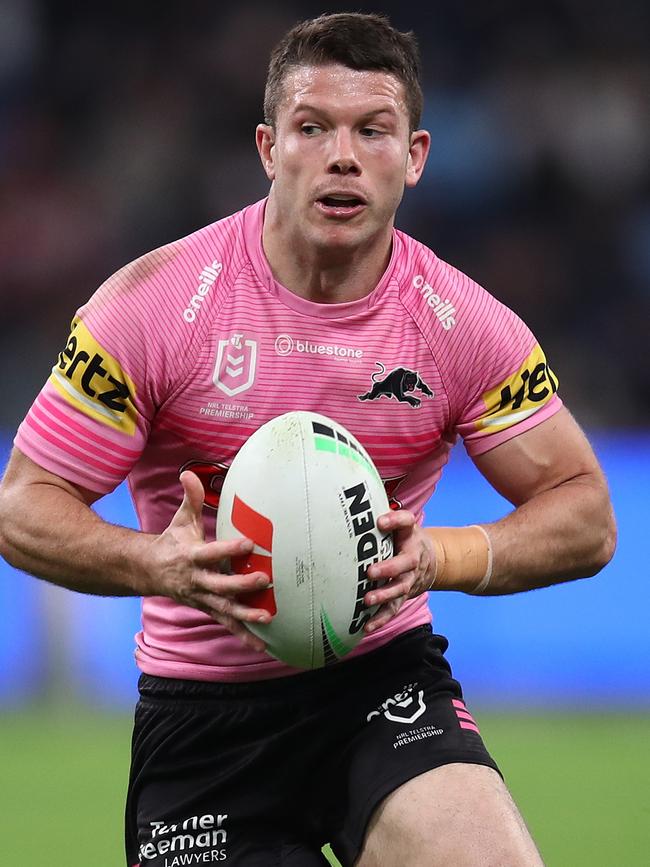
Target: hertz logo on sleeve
[92,381]
[520,395]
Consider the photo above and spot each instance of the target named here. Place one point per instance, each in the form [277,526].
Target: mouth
[340,205]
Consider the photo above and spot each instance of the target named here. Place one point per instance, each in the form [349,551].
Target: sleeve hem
[64,471]
[483,444]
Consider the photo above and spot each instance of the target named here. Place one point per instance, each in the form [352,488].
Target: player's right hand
[193,572]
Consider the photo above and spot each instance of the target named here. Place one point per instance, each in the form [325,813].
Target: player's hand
[407,573]
[193,572]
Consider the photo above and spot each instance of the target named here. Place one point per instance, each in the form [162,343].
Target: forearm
[47,527]
[560,534]
[59,538]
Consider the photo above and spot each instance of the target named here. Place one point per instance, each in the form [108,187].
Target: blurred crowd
[124,126]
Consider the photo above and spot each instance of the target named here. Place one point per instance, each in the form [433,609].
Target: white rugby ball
[306,492]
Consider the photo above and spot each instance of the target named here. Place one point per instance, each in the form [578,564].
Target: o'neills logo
[208,278]
[444,309]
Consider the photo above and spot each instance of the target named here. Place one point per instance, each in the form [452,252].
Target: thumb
[190,511]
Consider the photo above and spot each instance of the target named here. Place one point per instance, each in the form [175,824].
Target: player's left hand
[407,573]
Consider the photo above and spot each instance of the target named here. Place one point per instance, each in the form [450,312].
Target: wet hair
[358,41]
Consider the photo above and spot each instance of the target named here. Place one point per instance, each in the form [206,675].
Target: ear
[265,141]
[417,157]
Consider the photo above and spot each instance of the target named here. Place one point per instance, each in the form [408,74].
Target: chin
[345,237]
[344,242]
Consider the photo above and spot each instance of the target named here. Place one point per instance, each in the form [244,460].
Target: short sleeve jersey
[182,354]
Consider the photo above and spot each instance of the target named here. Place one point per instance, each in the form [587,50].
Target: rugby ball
[307,493]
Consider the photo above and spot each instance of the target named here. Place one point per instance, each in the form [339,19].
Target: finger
[401,519]
[384,615]
[231,607]
[394,589]
[189,512]
[403,527]
[241,632]
[391,568]
[239,611]
[210,555]
[231,585]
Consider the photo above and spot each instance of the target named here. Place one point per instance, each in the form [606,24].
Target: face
[340,155]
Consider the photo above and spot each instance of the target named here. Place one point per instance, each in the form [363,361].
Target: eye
[310,129]
[370,132]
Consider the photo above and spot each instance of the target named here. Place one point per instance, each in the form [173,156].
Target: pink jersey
[182,354]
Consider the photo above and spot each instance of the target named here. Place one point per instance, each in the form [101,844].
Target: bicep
[23,477]
[540,459]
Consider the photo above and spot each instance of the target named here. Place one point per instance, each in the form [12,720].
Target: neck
[327,274]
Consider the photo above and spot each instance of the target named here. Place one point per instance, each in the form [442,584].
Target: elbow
[5,547]
[610,541]
[7,541]
[605,546]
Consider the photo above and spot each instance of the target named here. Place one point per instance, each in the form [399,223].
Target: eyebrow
[306,106]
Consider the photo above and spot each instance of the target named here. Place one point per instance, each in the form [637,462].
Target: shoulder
[164,300]
[173,280]
[480,344]
[451,309]
[434,291]
[150,317]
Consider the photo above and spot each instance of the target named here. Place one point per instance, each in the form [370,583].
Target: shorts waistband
[408,646]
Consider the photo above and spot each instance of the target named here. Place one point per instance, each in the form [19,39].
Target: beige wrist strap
[463,558]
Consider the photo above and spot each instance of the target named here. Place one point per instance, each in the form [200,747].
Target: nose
[343,159]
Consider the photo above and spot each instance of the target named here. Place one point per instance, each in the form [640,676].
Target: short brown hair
[356,40]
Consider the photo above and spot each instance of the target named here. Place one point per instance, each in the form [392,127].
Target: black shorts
[265,773]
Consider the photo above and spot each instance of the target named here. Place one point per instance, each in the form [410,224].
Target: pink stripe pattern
[465,719]
[213,347]
[470,726]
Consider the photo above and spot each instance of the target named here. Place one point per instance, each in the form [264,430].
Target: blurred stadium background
[124,127]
